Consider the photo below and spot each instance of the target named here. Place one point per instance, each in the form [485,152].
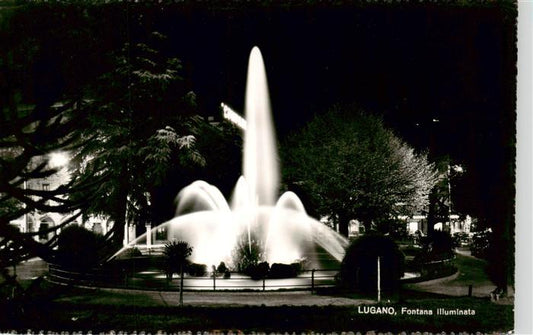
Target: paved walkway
[105,296]
[449,286]
[471,272]
[28,270]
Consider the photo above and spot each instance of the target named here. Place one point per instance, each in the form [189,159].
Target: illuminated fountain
[281,227]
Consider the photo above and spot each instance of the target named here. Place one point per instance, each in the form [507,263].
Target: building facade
[40,222]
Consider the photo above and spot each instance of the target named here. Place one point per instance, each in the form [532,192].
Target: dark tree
[27,140]
[141,125]
[40,113]
[352,167]
[177,254]
[442,196]
[79,248]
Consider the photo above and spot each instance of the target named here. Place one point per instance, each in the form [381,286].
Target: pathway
[208,299]
[471,271]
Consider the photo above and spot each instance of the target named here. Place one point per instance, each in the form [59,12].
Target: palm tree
[176,254]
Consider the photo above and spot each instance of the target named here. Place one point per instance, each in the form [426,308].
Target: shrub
[133,252]
[278,270]
[359,266]
[396,228]
[435,260]
[437,247]
[221,268]
[399,232]
[411,251]
[247,256]
[79,248]
[441,242]
[481,242]
[258,271]
[197,270]
[176,256]
[460,239]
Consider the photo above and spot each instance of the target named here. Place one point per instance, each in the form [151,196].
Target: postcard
[258,167]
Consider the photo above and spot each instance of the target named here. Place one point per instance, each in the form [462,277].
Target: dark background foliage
[79,248]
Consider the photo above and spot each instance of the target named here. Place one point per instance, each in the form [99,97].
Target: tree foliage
[248,253]
[26,141]
[439,246]
[177,254]
[79,248]
[140,129]
[442,197]
[32,129]
[117,115]
[352,167]
[40,96]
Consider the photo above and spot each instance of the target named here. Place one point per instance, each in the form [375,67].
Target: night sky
[410,64]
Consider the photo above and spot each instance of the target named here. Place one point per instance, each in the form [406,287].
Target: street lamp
[58,159]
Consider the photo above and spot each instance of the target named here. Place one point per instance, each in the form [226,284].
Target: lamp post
[25,227]
[449,199]
[58,159]
[379,279]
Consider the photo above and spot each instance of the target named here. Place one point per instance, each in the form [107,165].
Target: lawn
[72,317]
[472,271]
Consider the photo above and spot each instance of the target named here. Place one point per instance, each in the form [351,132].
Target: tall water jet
[260,161]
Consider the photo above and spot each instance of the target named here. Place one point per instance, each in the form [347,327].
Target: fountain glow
[285,231]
